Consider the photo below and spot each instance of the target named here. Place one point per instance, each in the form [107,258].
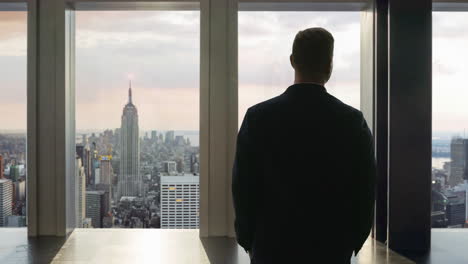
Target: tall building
[180,202]
[81,193]
[180,141]
[106,170]
[14,172]
[94,162]
[169,138]
[130,181]
[6,196]
[458,159]
[95,207]
[2,169]
[154,135]
[84,152]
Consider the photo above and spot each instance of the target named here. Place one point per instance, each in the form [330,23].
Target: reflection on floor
[143,246]
[448,245]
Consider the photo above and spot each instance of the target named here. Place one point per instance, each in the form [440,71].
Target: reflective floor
[144,246]
[448,245]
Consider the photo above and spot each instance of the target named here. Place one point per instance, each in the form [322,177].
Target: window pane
[137,92]
[265,44]
[13,26]
[450,120]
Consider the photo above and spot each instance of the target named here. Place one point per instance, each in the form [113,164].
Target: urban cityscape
[125,178]
[450,182]
[122,179]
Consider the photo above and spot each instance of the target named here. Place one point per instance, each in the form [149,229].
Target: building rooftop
[95,192]
[186,178]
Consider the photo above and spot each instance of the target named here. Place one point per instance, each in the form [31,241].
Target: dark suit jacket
[303,178]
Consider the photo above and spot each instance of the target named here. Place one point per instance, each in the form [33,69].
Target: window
[265,43]
[137,114]
[449,121]
[13,174]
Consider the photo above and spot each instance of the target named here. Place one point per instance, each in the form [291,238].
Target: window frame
[29,7]
[46,209]
[218,106]
[216,159]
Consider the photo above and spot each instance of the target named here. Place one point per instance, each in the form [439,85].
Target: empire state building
[130,182]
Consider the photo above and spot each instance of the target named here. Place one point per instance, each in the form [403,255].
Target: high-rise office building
[154,135]
[2,168]
[129,176]
[180,141]
[105,178]
[6,196]
[106,170]
[95,207]
[84,152]
[458,159]
[169,138]
[81,192]
[14,172]
[180,202]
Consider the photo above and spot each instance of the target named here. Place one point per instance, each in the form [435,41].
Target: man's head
[312,55]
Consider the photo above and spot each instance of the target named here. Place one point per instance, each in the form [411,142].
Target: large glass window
[450,120]
[265,44]
[13,174]
[137,118]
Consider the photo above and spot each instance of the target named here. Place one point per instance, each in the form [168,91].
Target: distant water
[438,163]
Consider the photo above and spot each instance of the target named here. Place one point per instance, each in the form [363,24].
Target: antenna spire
[130,92]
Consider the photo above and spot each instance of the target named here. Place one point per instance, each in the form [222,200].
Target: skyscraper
[1,168]
[84,152]
[106,169]
[95,207]
[80,197]
[6,195]
[180,202]
[169,138]
[154,135]
[458,158]
[14,172]
[130,181]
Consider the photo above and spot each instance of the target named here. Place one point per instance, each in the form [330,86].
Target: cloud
[161,49]
[265,41]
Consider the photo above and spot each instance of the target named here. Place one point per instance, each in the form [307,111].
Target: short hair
[312,52]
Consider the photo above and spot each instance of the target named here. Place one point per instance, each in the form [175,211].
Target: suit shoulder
[344,108]
[266,105]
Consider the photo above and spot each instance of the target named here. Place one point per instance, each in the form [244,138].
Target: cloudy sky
[159,51]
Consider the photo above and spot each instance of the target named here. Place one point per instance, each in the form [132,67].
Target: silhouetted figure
[303,179]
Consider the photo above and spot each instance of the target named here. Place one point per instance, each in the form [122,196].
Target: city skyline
[143,45]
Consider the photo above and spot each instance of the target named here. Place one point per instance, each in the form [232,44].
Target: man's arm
[364,176]
[243,185]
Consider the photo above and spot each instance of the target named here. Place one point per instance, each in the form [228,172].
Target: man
[303,179]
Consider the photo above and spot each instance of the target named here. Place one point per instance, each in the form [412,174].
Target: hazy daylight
[159,51]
